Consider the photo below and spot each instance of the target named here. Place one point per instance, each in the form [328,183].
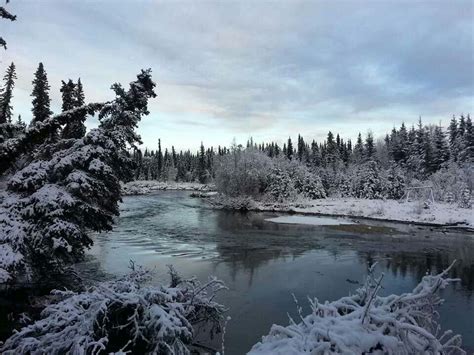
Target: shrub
[123,316]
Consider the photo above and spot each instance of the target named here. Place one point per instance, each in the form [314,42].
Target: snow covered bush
[368,323]
[123,316]
[363,181]
[66,188]
[310,186]
[394,183]
[243,173]
[465,198]
[281,186]
[451,180]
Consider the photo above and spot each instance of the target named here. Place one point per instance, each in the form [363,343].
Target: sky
[261,69]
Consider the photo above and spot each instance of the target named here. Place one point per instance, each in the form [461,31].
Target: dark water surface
[263,263]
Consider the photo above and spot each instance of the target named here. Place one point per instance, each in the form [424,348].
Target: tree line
[420,151]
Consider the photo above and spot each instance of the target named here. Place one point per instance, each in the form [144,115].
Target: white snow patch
[440,213]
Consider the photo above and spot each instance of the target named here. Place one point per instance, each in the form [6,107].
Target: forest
[62,186]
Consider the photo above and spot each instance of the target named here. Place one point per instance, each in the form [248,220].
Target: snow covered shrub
[370,181]
[450,182]
[394,183]
[310,186]
[69,187]
[368,323]
[281,186]
[363,182]
[123,316]
[243,173]
[465,198]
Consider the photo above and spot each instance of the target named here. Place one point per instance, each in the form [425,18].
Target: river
[263,263]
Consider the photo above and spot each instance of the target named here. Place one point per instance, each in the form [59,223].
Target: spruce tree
[67,190]
[202,172]
[358,153]
[6,94]
[289,149]
[73,97]
[441,150]
[468,154]
[369,147]
[453,135]
[41,101]
[403,144]
[159,161]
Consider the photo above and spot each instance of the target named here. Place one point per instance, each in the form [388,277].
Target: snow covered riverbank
[389,210]
[141,187]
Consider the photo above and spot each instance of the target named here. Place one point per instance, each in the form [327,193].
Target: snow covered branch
[367,323]
[123,316]
[12,149]
[69,187]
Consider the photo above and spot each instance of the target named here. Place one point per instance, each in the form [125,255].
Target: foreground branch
[368,323]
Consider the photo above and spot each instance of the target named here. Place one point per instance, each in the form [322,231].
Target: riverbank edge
[255,206]
[207,192]
[143,187]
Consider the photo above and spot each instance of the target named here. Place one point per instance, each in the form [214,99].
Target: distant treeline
[419,150]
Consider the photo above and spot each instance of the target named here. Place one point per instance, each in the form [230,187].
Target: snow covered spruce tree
[68,187]
[73,97]
[7,128]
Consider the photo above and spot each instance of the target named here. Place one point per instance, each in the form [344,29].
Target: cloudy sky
[267,69]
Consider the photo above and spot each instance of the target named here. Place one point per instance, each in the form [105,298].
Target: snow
[141,187]
[310,220]
[367,323]
[127,313]
[436,213]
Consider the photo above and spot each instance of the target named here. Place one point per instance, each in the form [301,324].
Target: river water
[263,263]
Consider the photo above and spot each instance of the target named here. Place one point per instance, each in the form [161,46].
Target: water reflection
[263,263]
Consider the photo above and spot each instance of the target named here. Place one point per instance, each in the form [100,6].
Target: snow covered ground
[435,213]
[141,187]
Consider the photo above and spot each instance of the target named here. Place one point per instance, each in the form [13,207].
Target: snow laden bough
[123,316]
[66,188]
[366,323]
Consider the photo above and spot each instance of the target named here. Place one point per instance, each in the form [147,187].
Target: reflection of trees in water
[418,263]
[254,242]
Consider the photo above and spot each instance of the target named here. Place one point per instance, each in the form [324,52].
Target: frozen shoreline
[142,187]
[437,214]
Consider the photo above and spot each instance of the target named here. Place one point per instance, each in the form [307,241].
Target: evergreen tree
[369,147]
[332,151]
[301,148]
[6,94]
[403,144]
[67,91]
[159,160]
[441,150]
[453,141]
[358,153]
[41,101]
[202,171]
[289,149]
[468,153]
[73,97]
[54,201]
[394,187]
